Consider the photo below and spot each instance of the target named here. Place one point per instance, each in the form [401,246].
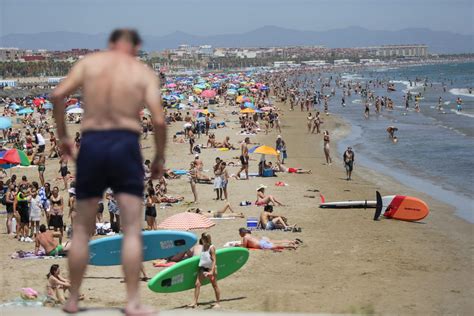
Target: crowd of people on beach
[43,210]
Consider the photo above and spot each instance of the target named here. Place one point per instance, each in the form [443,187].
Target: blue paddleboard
[156,245]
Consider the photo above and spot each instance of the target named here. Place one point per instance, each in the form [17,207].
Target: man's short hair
[42,228]
[129,35]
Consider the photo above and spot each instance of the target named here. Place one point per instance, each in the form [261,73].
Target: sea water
[435,149]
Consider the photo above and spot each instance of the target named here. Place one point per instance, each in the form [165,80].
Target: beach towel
[20,254]
[163,263]
[281,184]
[180,171]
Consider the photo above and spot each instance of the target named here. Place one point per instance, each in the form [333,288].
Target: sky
[207,17]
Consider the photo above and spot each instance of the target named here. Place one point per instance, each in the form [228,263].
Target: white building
[314,63]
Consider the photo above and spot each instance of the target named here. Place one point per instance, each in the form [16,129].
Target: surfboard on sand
[401,207]
[182,276]
[156,245]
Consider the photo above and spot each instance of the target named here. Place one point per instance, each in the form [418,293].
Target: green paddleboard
[182,276]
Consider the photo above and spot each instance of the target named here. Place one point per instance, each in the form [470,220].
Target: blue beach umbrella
[249,105]
[48,106]
[5,122]
[25,111]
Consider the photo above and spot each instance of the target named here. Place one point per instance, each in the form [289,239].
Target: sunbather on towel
[218,214]
[282,168]
[272,221]
[248,241]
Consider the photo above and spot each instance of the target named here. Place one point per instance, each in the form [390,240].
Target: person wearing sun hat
[263,199]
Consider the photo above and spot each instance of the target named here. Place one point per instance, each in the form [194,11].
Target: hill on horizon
[441,42]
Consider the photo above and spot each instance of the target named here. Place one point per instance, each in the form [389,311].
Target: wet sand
[348,263]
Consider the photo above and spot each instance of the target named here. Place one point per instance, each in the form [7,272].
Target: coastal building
[415,50]
[11,54]
[7,83]
[342,62]
[314,63]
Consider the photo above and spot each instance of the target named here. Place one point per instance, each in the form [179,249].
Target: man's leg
[132,248]
[78,254]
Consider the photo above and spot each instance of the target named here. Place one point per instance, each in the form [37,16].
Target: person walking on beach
[115,86]
[244,158]
[326,148]
[207,269]
[348,159]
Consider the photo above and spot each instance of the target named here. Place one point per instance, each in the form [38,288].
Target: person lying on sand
[270,221]
[282,168]
[218,214]
[263,199]
[45,239]
[248,241]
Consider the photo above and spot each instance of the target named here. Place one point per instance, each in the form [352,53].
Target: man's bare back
[114,87]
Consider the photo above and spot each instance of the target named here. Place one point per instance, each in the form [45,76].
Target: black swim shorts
[109,159]
[244,160]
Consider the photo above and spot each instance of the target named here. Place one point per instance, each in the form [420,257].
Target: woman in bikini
[150,209]
[309,119]
[41,168]
[326,148]
[57,285]
[57,212]
[263,199]
[64,170]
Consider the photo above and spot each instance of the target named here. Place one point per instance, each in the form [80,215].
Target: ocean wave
[462,113]
[406,84]
[464,92]
[349,77]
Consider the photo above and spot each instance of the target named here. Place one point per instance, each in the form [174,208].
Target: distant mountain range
[438,41]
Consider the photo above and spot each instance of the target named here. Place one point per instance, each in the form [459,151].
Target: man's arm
[37,245]
[70,84]
[153,102]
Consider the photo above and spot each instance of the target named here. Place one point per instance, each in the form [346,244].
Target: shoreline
[424,185]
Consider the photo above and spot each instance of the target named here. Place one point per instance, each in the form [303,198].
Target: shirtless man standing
[244,158]
[115,86]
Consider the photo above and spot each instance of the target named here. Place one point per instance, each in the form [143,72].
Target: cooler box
[268,173]
[252,223]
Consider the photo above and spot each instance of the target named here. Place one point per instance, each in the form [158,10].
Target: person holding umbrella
[207,269]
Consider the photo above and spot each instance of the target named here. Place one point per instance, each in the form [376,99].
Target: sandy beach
[347,264]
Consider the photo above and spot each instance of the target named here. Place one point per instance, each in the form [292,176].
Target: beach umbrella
[208,94]
[186,221]
[231,91]
[5,122]
[48,106]
[264,150]
[15,157]
[249,105]
[71,101]
[75,111]
[243,90]
[72,106]
[247,110]
[25,111]
[171,85]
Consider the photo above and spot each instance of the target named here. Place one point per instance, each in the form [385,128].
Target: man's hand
[66,146]
[157,168]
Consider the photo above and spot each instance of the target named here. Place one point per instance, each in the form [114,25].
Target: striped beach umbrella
[186,221]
